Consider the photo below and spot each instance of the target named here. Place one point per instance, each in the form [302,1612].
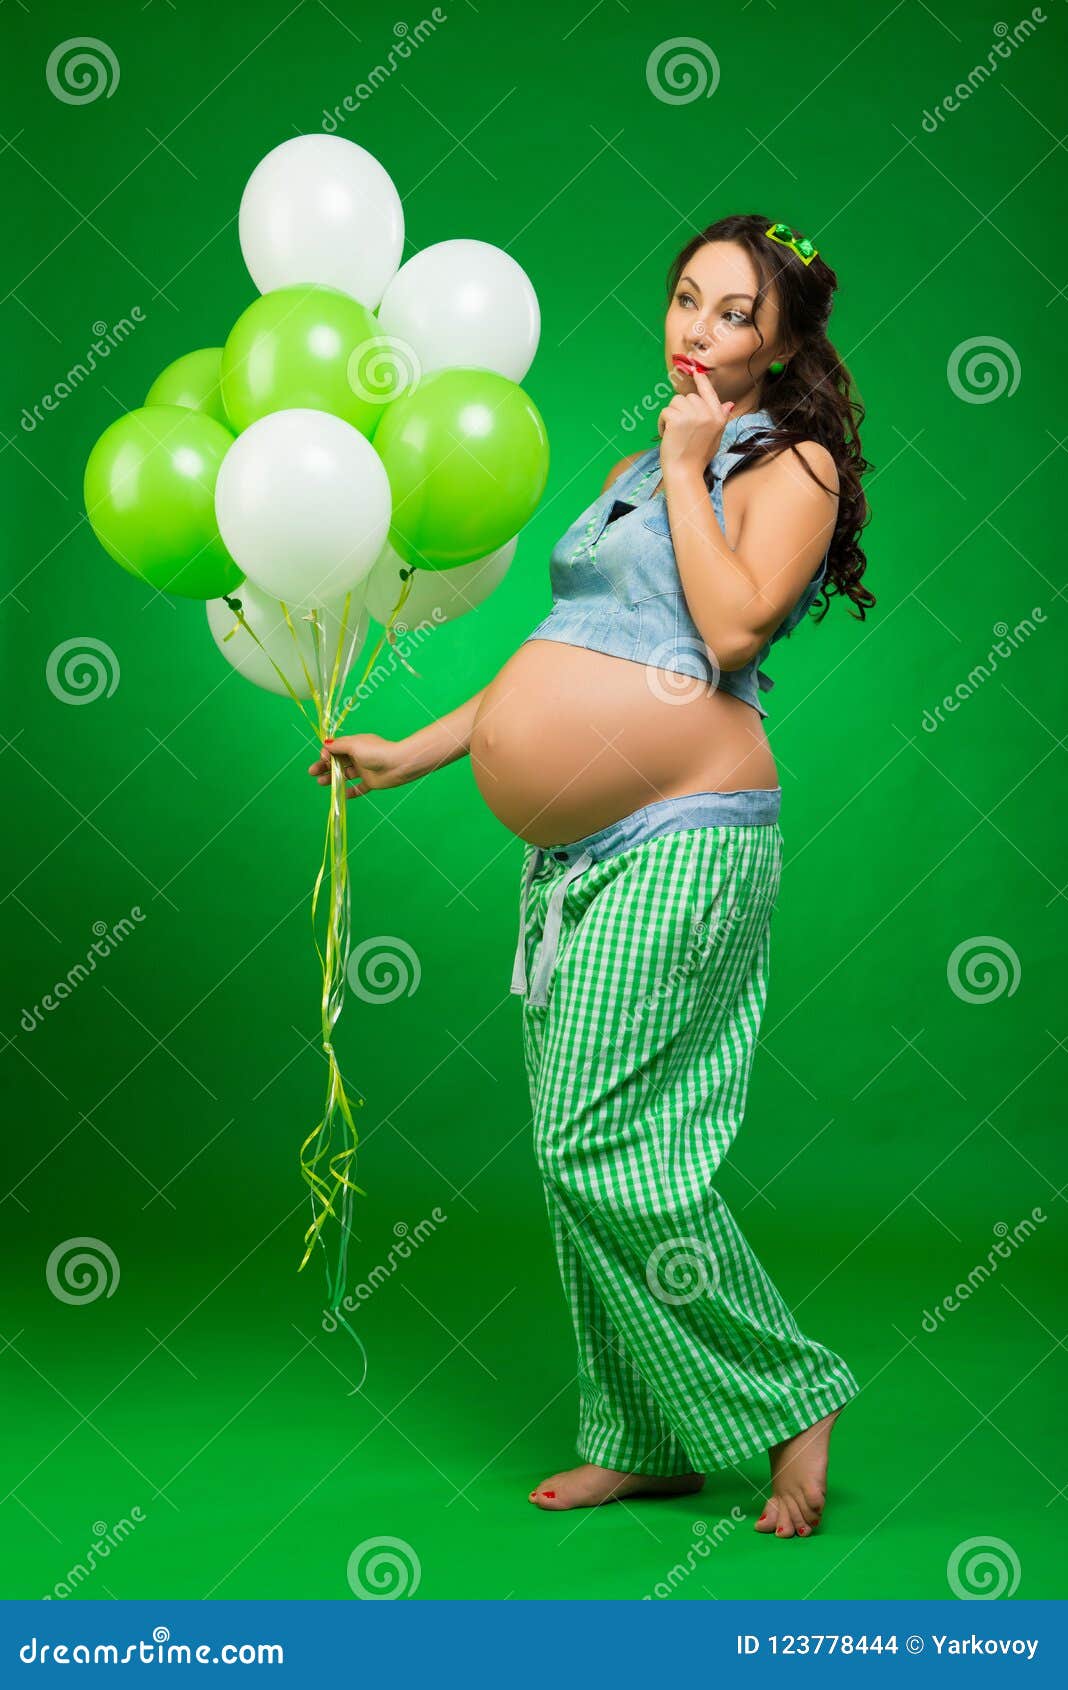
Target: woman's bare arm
[445,740]
[375,763]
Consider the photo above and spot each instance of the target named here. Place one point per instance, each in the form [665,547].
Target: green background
[892,1127]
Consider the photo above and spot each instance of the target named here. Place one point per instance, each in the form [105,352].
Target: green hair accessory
[801,244]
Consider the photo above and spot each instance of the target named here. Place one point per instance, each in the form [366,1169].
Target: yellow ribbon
[327,1170]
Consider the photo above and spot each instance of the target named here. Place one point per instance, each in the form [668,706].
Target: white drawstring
[519,967]
[554,914]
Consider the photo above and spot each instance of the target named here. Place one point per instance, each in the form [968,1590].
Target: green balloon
[304,347]
[467,457]
[150,497]
[192,381]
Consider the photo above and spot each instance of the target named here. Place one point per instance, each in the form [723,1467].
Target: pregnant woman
[624,744]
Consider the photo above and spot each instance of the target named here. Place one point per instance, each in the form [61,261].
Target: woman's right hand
[369,760]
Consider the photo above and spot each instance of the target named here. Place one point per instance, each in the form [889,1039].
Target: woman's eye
[740,317]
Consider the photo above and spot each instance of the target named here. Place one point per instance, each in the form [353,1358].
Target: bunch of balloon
[359,445]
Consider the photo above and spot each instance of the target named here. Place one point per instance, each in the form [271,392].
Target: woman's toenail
[778,1531]
[763,1516]
[551,1493]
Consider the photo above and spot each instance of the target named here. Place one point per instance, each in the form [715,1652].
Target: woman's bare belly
[567,740]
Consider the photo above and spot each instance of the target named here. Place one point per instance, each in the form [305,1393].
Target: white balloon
[464,305]
[321,209]
[303,504]
[437,595]
[265,618]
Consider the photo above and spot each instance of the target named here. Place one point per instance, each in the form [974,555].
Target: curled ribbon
[328,1154]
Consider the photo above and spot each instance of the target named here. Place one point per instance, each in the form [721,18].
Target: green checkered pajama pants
[649,970]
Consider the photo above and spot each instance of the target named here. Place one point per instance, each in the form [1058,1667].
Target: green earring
[776,368]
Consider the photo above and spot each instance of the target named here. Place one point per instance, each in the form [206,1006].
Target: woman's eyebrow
[696,285]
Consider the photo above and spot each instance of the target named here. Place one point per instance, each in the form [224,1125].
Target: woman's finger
[341,754]
[338,747]
[708,393]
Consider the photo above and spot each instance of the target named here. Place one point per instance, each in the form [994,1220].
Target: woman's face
[710,319]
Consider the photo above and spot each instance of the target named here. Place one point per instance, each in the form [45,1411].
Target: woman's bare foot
[588,1486]
[798,1481]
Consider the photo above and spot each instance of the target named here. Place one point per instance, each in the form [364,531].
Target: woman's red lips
[687,364]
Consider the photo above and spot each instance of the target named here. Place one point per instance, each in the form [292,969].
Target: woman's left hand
[691,425]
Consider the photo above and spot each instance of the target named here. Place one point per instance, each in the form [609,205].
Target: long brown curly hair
[813,398]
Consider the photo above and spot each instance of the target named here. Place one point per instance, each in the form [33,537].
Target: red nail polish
[329,740]
[551,1493]
[764,1515]
[778,1531]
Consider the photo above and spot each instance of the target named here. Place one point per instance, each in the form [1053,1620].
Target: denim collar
[736,428]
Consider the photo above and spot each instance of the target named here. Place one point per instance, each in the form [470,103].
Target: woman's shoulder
[796,461]
[819,458]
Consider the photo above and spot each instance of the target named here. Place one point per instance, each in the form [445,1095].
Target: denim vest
[627,599]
